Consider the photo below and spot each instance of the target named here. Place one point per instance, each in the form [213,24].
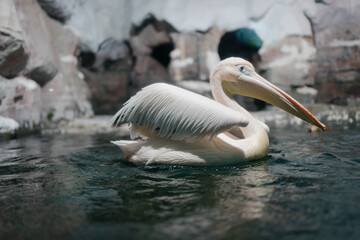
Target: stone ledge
[331,115]
[91,125]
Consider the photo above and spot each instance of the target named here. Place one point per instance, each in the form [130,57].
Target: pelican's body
[171,125]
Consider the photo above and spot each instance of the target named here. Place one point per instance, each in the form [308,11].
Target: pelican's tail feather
[128,146]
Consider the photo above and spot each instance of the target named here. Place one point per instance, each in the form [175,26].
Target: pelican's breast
[251,147]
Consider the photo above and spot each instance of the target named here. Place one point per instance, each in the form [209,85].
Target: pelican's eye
[244,69]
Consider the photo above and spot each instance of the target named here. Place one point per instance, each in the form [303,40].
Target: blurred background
[60,60]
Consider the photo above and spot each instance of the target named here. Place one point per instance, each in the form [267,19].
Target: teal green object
[248,37]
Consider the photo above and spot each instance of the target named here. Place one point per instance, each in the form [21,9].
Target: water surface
[75,187]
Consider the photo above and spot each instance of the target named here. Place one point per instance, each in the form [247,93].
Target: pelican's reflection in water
[185,202]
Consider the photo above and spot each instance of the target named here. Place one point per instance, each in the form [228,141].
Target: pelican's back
[178,114]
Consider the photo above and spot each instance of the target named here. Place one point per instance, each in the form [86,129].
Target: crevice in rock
[18,98]
[161,53]
[86,56]
[58,10]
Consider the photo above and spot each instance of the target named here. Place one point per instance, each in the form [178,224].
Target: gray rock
[195,54]
[208,51]
[291,62]
[184,58]
[113,52]
[58,9]
[336,32]
[13,56]
[51,48]
[109,89]
[21,101]
[42,74]
[149,37]
[147,71]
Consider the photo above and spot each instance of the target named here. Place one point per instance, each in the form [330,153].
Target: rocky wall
[309,48]
[39,80]
[292,55]
[336,29]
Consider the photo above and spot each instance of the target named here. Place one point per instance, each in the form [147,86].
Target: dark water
[74,187]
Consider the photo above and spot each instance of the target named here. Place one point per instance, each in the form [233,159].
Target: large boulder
[20,99]
[148,38]
[108,74]
[195,54]
[42,72]
[184,57]
[147,71]
[13,56]
[208,52]
[58,9]
[109,89]
[112,54]
[149,67]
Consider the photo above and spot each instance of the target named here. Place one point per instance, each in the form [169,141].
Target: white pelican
[170,125]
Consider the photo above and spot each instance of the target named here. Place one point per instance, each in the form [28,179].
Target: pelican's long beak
[253,85]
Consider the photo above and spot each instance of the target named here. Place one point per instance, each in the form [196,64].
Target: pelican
[171,125]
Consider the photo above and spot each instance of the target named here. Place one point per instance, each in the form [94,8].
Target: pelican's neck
[224,97]
[220,95]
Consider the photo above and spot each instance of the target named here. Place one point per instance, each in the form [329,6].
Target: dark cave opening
[161,53]
[243,42]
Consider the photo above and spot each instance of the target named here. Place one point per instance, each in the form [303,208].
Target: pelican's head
[238,76]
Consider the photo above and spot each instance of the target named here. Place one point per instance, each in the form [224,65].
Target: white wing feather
[176,113]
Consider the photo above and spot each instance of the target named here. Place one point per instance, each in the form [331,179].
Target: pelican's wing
[177,113]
